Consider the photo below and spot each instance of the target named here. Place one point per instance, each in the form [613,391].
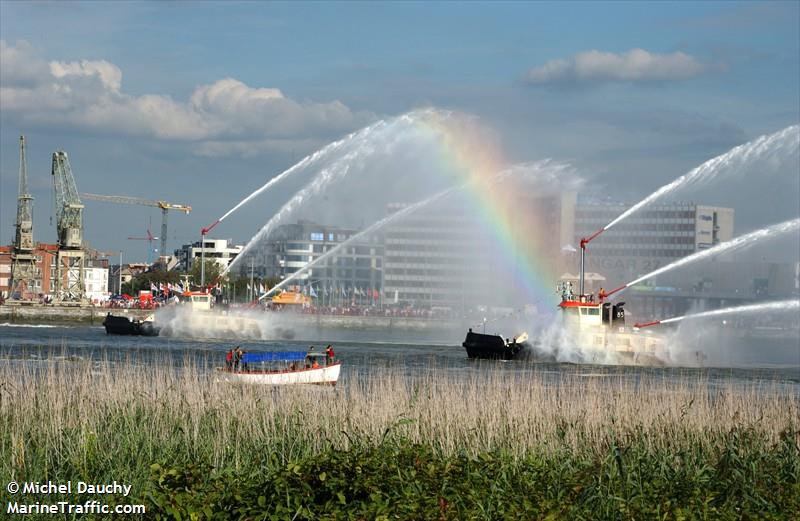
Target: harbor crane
[164,205]
[70,267]
[24,273]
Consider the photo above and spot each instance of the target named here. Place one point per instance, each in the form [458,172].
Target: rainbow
[467,155]
[472,161]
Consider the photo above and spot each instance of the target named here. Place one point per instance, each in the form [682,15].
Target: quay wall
[49,314]
[372,322]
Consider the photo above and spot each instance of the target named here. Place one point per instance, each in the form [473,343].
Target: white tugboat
[196,317]
[599,328]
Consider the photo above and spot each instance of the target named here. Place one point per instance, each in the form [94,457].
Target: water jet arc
[732,245]
[776,305]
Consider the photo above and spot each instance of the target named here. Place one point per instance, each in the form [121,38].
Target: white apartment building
[221,251]
[95,282]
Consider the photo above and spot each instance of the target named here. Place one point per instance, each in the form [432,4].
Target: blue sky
[170,99]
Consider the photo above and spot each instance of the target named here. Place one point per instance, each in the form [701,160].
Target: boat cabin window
[593,312]
[571,311]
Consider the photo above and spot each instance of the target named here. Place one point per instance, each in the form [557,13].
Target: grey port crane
[24,274]
[164,205]
[70,269]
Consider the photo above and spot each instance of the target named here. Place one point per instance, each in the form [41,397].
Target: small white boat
[281,368]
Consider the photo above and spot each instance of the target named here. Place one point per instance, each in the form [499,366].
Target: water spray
[732,245]
[370,229]
[337,169]
[514,170]
[308,160]
[786,140]
[779,305]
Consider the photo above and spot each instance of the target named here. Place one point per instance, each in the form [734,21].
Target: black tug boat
[124,326]
[493,347]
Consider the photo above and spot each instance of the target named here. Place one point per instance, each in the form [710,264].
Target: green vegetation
[442,445]
[213,271]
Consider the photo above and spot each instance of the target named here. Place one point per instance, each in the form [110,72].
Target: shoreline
[34,314]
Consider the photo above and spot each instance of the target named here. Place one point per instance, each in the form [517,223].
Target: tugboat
[116,325]
[598,327]
[493,347]
[197,316]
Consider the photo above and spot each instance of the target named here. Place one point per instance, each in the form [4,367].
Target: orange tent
[291,298]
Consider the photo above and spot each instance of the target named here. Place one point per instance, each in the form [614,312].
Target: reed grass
[68,420]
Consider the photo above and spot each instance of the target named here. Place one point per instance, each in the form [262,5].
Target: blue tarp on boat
[275,356]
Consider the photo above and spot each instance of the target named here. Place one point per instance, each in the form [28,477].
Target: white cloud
[636,65]
[88,94]
[109,74]
[16,65]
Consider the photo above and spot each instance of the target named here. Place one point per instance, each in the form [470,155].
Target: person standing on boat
[229,359]
[239,363]
[330,354]
[309,356]
[236,357]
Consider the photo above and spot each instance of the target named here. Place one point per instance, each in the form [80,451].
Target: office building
[650,238]
[356,267]
[450,256]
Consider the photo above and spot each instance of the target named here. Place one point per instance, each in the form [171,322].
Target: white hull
[322,375]
[637,347]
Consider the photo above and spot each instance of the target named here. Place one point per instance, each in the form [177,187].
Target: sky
[200,103]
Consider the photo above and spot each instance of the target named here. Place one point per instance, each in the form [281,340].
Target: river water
[37,344]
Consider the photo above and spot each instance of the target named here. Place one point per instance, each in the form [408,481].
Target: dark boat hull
[490,347]
[124,326]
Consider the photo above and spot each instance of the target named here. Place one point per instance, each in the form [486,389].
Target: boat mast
[584,242]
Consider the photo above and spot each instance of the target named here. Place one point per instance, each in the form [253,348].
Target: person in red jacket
[330,354]
[229,359]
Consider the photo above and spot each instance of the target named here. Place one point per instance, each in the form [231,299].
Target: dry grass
[587,447]
[81,413]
